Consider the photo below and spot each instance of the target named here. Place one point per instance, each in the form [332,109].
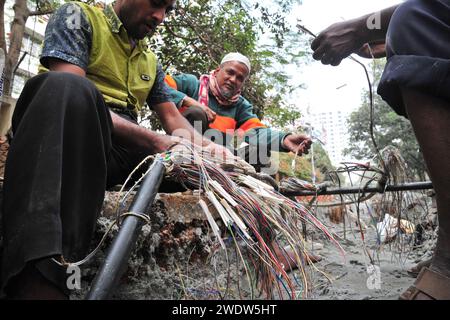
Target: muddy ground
[176,261]
[353,275]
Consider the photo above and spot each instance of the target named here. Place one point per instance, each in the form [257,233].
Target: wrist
[373,27]
[361,31]
[184,102]
[283,145]
[158,143]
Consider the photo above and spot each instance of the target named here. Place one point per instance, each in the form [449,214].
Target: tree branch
[2,26]
[41,12]
[169,29]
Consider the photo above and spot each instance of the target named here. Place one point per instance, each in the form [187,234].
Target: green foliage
[302,168]
[322,161]
[389,130]
[48,6]
[303,165]
[44,5]
[281,116]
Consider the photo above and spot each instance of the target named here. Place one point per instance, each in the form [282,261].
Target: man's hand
[209,113]
[342,39]
[218,151]
[166,143]
[337,42]
[189,102]
[298,143]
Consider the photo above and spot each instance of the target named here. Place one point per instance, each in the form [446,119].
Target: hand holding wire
[298,143]
[371,50]
[219,151]
[339,41]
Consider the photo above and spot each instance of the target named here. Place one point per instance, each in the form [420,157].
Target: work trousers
[62,158]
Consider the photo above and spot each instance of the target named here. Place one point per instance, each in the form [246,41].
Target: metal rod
[357,190]
[19,62]
[117,258]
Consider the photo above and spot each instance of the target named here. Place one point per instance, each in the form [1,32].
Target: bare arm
[344,38]
[62,66]
[174,123]
[124,131]
[142,139]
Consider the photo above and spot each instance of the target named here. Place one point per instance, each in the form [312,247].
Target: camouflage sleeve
[159,93]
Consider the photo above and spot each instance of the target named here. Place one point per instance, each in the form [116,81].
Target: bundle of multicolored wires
[251,211]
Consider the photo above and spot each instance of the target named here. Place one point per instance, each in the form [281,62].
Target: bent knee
[420,27]
[63,82]
[62,88]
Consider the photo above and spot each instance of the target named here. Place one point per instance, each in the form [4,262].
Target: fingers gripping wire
[371,98]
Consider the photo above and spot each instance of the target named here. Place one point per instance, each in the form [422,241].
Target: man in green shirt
[76,134]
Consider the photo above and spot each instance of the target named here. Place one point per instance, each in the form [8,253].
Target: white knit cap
[236,56]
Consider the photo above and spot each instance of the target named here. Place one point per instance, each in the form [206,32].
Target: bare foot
[289,261]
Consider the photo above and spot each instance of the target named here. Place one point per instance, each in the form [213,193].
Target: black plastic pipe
[117,258]
[358,190]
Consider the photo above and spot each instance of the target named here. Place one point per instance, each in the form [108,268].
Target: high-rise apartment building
[331,129]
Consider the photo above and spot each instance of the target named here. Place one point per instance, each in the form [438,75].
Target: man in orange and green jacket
[214,105]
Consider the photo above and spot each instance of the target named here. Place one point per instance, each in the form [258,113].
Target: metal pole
[117,258]
[357,190]
[313,165]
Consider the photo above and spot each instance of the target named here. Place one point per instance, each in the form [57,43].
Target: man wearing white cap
[215,101]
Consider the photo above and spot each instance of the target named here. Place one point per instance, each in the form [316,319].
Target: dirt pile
[172,259]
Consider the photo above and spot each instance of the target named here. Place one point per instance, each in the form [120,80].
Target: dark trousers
[418,52]
[61,160]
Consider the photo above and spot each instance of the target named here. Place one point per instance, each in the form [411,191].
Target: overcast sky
[322,81]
